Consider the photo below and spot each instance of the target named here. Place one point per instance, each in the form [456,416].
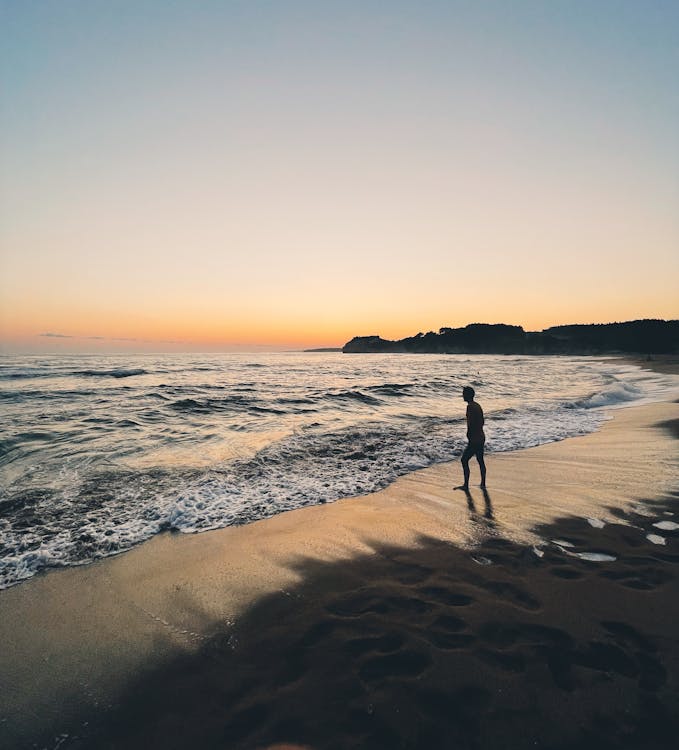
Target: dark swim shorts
[473,449]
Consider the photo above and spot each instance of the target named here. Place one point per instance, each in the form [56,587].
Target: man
[475,436]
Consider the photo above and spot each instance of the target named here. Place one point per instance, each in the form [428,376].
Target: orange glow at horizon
[270,179]
[98,331]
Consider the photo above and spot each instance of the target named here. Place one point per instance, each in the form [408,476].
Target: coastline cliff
[635,336]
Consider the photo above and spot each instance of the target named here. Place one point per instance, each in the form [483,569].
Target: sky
[255,175]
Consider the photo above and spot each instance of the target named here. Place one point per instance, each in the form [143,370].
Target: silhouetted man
[475,436]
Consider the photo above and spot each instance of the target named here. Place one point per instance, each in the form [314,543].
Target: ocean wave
[266,410]
[502,414]
[363,398]
[189,404]
[14,396]
[28,373]
[392,389]
[20,396]
[235,401]
[613,394]
[149,394]
[6,447]
[117,373]
[294,401]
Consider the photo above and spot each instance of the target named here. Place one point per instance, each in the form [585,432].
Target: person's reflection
[489,505]
[473,512]
[470,502]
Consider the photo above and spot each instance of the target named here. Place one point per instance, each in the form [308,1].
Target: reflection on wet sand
[488,512]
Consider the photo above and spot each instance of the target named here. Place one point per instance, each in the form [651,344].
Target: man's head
[468,393]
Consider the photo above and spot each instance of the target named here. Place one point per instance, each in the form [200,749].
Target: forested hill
[634,336]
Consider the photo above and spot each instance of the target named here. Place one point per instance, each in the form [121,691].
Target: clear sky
[209,175]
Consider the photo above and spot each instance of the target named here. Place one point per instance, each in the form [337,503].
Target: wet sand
[414,617]
[665,363]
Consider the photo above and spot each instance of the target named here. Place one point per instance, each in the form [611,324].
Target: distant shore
[667,364]
[631,337]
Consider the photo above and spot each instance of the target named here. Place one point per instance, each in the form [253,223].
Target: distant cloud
[51,335]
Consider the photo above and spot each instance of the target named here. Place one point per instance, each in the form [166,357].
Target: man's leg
[466,455]
[482,466]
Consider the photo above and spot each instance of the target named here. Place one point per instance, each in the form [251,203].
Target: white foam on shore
[616,393]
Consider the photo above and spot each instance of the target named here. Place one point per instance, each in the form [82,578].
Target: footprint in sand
[653,674]
[444,633]
[642,576]
[508,661]
[449,641]
[531,634]
[405,663]
[408,604]
[383,643]
[606,657]
[365,603]
[511,593]
[412,574]
[554,647]
[361,603]
[628,635]
[566,572]
[316,633]
[449,623]
[444,596]
[667,557]
[498,634]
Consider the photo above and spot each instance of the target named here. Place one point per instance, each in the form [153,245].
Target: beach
[269,274]
[543,614]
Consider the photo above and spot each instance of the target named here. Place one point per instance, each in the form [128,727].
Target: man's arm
[474,420]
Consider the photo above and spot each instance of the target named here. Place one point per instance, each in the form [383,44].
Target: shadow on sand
[435,647]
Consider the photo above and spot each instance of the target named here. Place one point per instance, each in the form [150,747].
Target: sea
[101,452]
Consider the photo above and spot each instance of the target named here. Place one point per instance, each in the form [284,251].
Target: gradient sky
[209,175]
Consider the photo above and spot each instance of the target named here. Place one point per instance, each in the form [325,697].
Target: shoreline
[665,364]
[39,564]
[79,636]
